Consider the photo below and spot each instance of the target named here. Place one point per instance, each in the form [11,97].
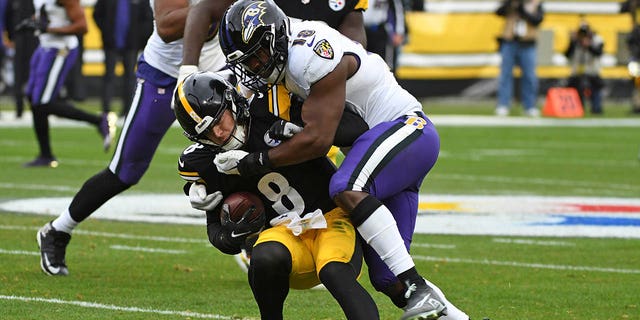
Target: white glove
[201,200]
[227,162]
[299,225]
[183,72]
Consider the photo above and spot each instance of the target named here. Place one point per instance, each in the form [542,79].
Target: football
[240,202]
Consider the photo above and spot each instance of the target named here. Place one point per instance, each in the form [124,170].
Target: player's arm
[170,16]
[75,13]
[201,17]
[321,113]
[353,27]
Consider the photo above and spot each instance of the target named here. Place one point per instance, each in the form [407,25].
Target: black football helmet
[200,101]
[253,35]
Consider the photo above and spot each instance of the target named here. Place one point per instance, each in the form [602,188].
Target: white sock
[64,222]
[381,232]
[453,313]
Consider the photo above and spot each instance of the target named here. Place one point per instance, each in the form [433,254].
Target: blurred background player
[324,250]
[518,47]
[149,118]
[385,27]
[58,24]
[19,13]
[584,52]
[125,26]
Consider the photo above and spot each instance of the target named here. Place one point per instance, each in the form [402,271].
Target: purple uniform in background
[49,69]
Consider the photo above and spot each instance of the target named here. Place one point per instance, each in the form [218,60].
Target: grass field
[127,270]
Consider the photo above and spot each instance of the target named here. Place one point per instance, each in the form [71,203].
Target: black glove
[521,10]
[254,164]
[283,130]
[33,25]
[242,229]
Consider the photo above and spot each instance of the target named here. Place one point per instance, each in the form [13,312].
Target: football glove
[243,228]
[183,72]
[283,130]
[200,200]
[36,26]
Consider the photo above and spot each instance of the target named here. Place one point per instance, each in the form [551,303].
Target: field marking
[432,245]
[96,305]
[527,265]
[534,242]
[20,252]
[145,249]
[114,235]
[30,186]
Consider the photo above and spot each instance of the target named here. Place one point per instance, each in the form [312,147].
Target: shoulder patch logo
[337,5]
[323,49]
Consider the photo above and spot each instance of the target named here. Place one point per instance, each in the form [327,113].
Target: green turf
[581,279]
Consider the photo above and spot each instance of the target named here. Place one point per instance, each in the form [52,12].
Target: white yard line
[115,235]
[527,265]
[145,249]
[534,242]
[96,305]
[20,252]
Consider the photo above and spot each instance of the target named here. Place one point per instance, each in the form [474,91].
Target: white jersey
[57,18]
[316,49]
[167,57]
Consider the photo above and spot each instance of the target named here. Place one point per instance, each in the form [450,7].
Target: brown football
[240,202]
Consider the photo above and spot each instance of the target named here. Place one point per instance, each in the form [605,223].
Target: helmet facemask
[198,115]
[255,43]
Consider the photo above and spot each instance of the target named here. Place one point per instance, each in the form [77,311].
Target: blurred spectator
[3,24]
[584,52]
[24,43]
[125,26]
[518,46]
[633,42]
[385,27]
[414,5]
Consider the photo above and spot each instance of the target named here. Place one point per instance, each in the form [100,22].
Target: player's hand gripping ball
[242,213]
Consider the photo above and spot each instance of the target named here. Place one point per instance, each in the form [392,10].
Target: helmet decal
[252,19]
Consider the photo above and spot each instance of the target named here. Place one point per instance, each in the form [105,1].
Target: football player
[345,16]
[58,23]
[379,179]
[147,121]
[311,241]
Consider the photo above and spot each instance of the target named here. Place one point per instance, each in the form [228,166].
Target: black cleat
[53,246]
[42,162]
[422,302]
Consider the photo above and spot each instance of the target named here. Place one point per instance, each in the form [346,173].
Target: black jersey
[330,11]
[300,188]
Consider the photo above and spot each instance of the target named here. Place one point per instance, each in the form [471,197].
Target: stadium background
[452,47]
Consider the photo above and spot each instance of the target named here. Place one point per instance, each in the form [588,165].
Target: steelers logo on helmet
[200,102]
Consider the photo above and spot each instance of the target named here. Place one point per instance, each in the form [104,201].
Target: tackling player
[313,242]
[379,180]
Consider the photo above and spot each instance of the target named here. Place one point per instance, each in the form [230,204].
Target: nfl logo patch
[336,5]
[324,49]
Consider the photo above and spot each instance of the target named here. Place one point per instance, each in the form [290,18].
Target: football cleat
[422,302]
[107,129]
[53,246]
[42,162]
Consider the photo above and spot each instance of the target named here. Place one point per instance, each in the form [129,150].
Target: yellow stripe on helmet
[185,104]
